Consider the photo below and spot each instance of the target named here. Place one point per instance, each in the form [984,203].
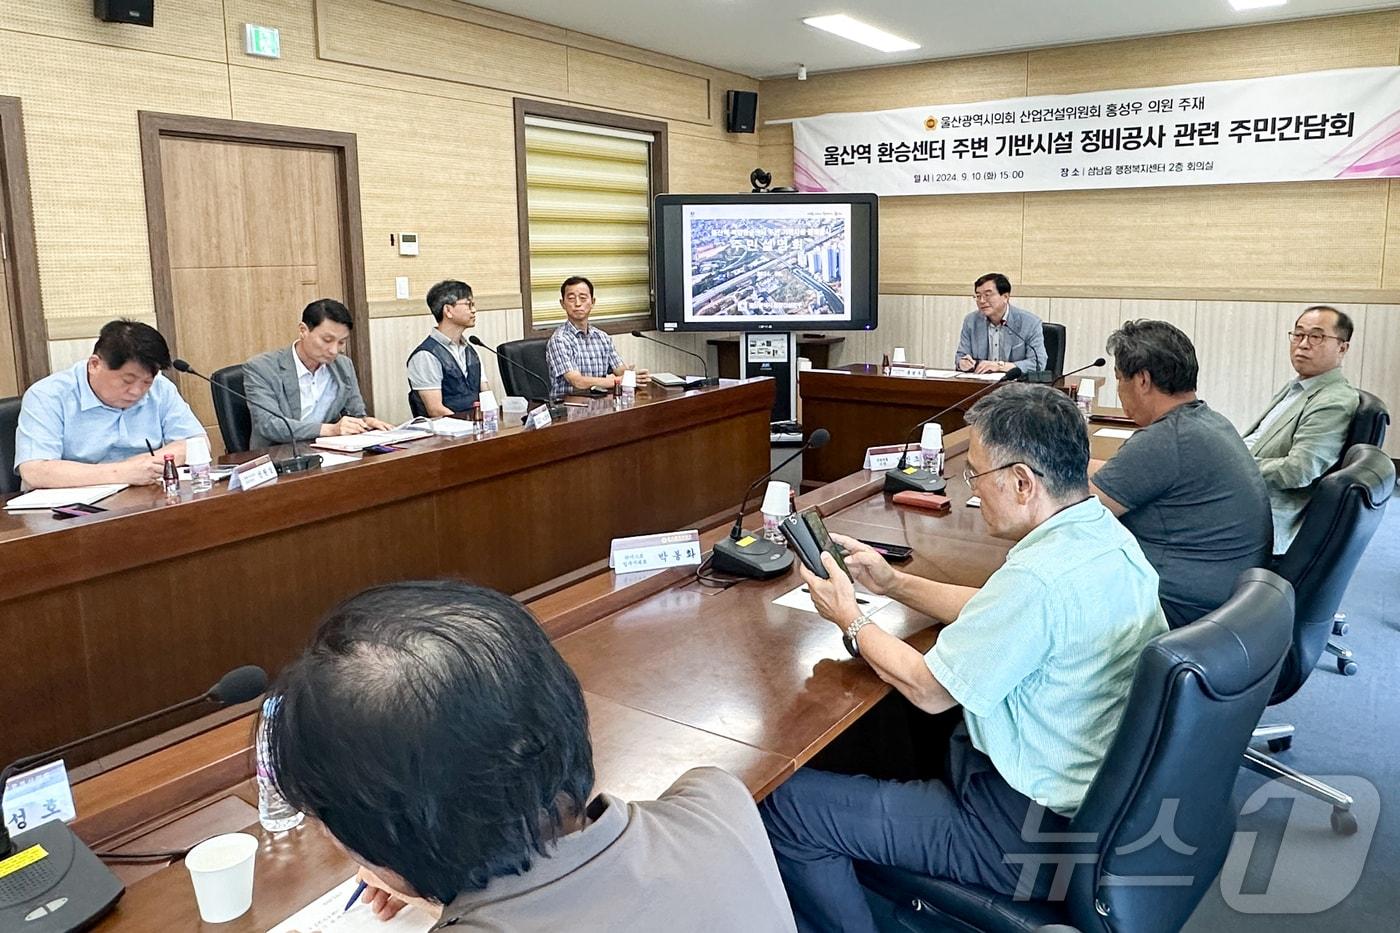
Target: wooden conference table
[863,409]
[675,675]
[107,617]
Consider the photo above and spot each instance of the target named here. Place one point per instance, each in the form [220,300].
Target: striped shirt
[589,353]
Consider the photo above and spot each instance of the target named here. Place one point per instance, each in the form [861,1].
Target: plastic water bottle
[274,813]
[198,458]
[931,448]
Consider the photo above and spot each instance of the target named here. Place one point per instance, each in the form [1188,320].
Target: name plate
[887,457]
[539,418]
[253,473]
[38,796]
[655,552]
[907,372]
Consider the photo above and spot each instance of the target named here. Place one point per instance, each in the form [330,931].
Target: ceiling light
[853,29]
[1243,5]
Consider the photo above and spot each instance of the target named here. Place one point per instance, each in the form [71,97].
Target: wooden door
[9,368]
[254,233]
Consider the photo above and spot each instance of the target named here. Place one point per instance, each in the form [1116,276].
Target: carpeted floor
[1287,865]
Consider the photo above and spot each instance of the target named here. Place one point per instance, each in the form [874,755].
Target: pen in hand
[359,889]
[149,447]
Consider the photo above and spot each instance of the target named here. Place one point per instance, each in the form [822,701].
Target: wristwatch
[852,630]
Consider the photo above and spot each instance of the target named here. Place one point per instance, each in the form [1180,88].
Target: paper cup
[197,450]
[932,436]
[803,364]
[629,378]
[776,499]
[1086,388]
[898,356]
[222,871]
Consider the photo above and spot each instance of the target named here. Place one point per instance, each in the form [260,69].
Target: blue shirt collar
[88,400]
[1091,509]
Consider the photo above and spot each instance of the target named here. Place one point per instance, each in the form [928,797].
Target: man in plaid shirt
[579,356]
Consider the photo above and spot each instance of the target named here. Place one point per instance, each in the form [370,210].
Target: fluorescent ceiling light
[1243,5]
[853,29]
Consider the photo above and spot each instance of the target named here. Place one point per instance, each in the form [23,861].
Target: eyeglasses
[469,302]
[1296,337]
[969,476]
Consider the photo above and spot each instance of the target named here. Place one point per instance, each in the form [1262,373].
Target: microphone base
[759,559]
[298,464]
[908,480]
[69,874]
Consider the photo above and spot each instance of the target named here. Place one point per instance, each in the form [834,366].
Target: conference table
[675,675]
[862,408]
[110,616]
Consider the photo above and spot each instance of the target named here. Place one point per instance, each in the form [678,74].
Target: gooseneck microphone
[1074,372]
[297,462]
[64,886]
[704,366]
[557,412]
[749,555]
[904,478]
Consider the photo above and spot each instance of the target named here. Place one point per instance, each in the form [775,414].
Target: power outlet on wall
[401,287]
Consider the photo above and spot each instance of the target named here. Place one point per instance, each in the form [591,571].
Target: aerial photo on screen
[767,260]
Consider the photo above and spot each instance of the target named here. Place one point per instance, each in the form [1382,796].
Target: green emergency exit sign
[262,41]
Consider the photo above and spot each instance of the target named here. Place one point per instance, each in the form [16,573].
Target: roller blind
[588,195]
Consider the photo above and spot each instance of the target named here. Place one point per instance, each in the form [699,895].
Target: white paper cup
[898,356]
[932,437]
[629,378]
[803,364]
[222,871]
[1086,388]
[197,450]
[776,499]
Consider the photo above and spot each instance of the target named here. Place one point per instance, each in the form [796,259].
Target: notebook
[65,495]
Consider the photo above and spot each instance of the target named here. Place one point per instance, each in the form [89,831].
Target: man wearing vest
[444,372]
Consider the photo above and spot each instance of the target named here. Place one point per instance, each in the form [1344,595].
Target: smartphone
[894,553]
[382,449]
[78,510]
[807,534]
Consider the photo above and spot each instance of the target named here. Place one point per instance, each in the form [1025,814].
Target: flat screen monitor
[759,262]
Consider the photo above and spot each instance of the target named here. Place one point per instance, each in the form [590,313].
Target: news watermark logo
[1287,860]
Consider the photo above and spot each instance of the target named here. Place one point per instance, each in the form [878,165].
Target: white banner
[1318,126]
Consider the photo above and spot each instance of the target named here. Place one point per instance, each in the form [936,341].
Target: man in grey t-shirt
[1184,485]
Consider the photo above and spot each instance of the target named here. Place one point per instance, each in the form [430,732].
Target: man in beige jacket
[1300,435]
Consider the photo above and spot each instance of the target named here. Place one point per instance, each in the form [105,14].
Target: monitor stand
[775,355]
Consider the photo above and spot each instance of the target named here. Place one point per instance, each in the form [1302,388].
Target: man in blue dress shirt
[98,420]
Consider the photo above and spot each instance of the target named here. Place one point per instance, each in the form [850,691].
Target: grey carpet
[1347,726]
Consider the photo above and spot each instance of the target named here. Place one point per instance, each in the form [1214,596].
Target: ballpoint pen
[359,889]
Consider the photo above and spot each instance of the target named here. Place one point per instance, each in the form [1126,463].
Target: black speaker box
[135,12]
[741,111]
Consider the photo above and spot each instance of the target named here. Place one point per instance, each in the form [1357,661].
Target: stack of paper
[327,913]
[69,495]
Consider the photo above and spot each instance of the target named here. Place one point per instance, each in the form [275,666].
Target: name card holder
[655,552]
[887,457]
[37,796]
[252,474]
[907,372]
[539,418]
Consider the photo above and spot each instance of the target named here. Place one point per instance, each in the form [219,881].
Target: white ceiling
[764,38]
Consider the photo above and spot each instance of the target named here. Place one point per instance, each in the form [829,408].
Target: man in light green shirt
[1040,659]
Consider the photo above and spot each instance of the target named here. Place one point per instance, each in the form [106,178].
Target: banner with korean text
[1306,127]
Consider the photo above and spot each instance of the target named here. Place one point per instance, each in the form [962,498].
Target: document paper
[70,495]
[327,914]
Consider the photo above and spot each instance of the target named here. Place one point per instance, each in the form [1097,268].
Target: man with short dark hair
[444,372]
[443,742]
[999,335]
[92,422]
[1300,435]
[312,382]
[1183,484]
[580,356]
[1040,659]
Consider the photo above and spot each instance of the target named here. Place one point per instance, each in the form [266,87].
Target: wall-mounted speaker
[135,12]
[741,111]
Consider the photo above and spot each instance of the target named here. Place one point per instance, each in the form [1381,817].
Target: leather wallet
[929,501]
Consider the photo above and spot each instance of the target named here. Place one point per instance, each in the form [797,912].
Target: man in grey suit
[311,382]
[1300,435]
[999,335]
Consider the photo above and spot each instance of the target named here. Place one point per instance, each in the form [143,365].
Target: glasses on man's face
[470,303]
[1310,338]
[968,476]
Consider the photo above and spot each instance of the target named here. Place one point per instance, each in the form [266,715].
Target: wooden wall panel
[950,240]
[195,27]
[607,81]
[1218,55]
[1251,238]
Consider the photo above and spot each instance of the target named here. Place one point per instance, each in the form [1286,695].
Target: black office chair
[9,423]
[1368,426]
[1196,695]
[521,379]
[1054,349]
[416,408]
[235,423]
[1343,514]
